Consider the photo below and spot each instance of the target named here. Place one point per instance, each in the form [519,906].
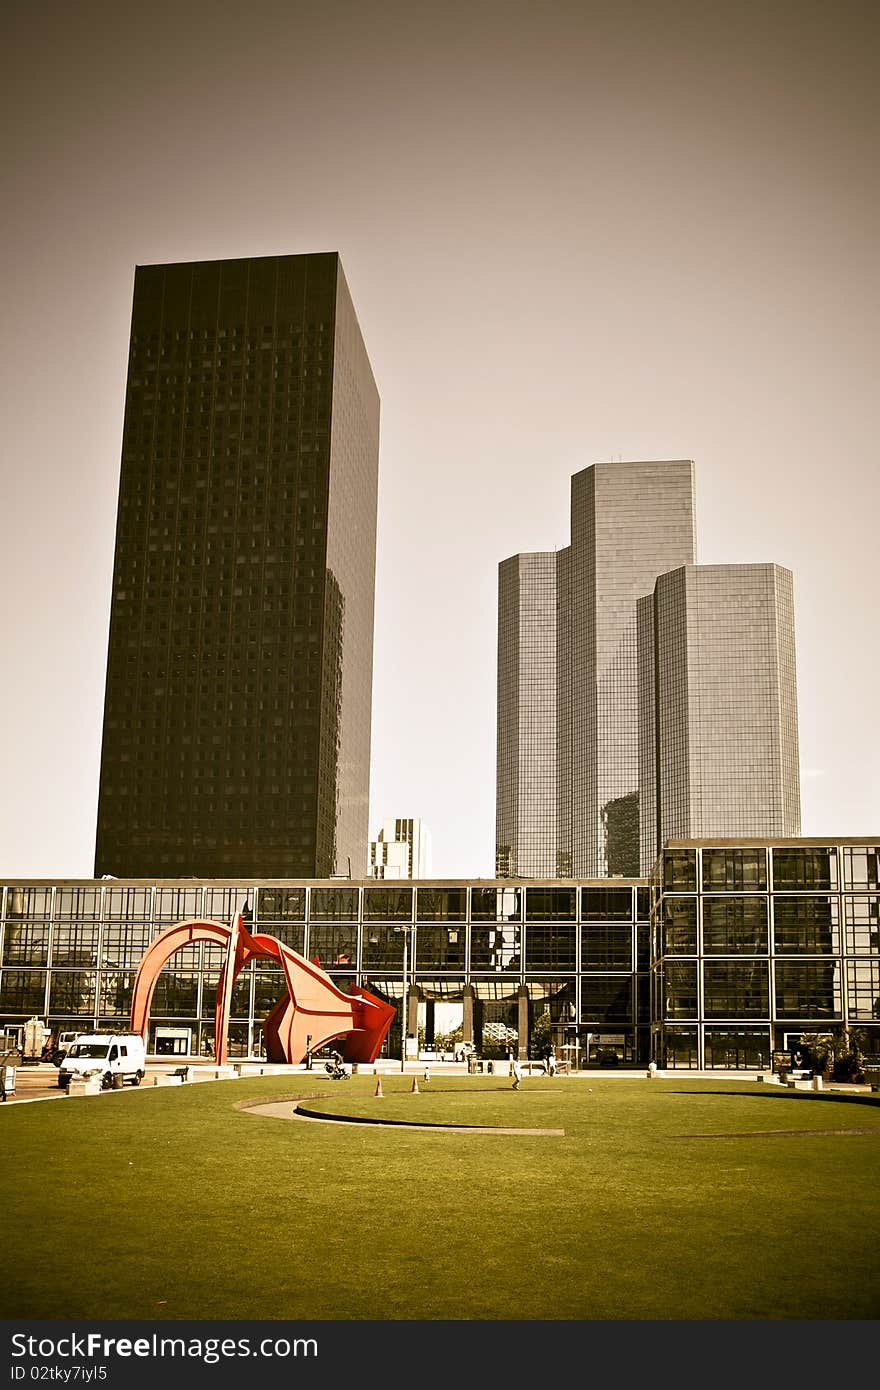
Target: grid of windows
[237,705]
[500,943]
[630,522]
[527,840]
[719,722]
[734,905]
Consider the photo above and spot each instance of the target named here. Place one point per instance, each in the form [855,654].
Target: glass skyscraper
[531,825]
[238,695]
[718,700]
[568,722]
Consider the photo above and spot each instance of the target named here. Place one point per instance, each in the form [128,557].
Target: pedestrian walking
[551,1063]
[427,1073]
[517,1073]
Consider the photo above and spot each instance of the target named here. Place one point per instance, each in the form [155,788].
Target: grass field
[664,1199]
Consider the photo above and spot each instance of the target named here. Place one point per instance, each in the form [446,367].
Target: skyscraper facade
[531,725]
[630,522]
[718,700]
[238,695]
[567,790]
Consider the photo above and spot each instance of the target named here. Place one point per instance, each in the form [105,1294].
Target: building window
[609,905]
[84,904]
[863,990]
[550,946]
[734,870]
[806,926]
[382,948]
[735,926]
[281,904]
[794,869]
[441,904]
[808,990]
[861,867]
[680,869]
[333,904]
[388,904]
[737,1048]
[22,991]
[75,943]
[550,904]
[607,999]
[678,1048]
[606,946]
[678,927]
[676,995]
[732,989]
[28,902]
[496,947]
[439,948]
[26,943]
[72,992]
[862,916]
[496,905]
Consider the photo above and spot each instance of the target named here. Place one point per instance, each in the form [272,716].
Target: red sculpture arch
[313,1007]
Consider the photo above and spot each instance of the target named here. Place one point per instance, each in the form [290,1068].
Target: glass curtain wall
[757,944]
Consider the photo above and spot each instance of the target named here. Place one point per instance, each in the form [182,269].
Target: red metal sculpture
[312,1007]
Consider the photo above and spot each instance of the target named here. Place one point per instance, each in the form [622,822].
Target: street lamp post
[405,932]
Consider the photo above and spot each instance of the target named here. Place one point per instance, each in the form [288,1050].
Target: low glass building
[755,944]
[730,950]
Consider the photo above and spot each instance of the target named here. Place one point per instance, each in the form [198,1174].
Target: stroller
[334,1068]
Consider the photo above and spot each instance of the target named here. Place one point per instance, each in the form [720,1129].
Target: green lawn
[661,1200]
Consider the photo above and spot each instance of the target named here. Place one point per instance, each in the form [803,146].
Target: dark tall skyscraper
[239,679]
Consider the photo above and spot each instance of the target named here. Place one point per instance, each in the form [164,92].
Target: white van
[119,1057]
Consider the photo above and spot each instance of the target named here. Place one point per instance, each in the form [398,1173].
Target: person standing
[517,1073]
[551,1062]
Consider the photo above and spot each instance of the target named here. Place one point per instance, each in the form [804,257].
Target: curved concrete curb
[290,1110]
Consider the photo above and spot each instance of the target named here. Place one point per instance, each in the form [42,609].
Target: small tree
[842,1055]
[849,1056]
[822,1047]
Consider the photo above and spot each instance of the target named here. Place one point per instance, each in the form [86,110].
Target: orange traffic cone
[415,1086]
[378,1093]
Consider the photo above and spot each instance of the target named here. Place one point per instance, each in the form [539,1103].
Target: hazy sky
[573,232]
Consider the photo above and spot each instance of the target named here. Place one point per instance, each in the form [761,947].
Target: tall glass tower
[531,824]
[630,522]
[718,697]
[567,782]
[238,695]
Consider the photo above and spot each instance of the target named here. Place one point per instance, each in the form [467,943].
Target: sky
[573,233]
